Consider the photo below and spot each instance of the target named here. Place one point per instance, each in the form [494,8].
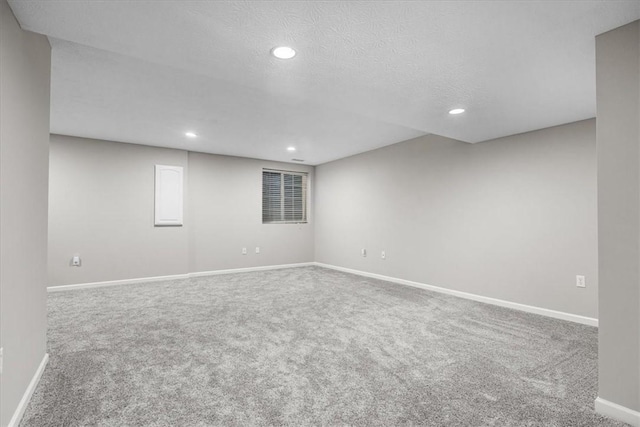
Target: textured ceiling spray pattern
[367,74]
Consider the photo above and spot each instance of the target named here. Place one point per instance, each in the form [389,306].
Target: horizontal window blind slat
[284,196]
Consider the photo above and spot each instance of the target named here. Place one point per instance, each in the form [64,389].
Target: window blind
[284,197]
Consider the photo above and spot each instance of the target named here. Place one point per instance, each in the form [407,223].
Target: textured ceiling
[367,74]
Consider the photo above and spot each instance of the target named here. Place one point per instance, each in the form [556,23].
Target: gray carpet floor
[307,346]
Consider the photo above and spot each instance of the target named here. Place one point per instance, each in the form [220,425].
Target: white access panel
[169,189]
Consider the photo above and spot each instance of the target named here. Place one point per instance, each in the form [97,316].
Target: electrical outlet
[244,251]
[75,261]
[581,282]
[383,255]
[257,249]
[363,252]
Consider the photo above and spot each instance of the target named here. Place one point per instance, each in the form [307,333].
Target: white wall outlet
[383,255]
[244,251]
[257,249]
[363,252]
[581,282]
[75,261]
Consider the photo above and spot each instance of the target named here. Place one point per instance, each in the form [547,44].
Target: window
[284,197]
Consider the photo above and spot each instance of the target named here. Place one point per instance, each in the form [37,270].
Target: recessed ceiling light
[283,52]
[291,148]
[190,134]
[456,111]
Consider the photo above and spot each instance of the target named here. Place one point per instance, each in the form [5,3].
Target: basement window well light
[190,134]
[283,52]
[456,111]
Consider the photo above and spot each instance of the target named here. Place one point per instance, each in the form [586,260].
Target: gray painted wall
[25,63]
[225,201]
[102,208]
[618,100]
[514,218]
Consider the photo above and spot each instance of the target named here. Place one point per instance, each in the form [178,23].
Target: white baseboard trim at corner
[26,397]
[174,277]
[617,412]
[488,300]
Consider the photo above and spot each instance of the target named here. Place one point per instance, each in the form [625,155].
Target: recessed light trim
[283,52]
[291,148]
[191,134]
[456,111]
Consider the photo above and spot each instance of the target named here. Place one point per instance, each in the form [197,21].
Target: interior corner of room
[543,220]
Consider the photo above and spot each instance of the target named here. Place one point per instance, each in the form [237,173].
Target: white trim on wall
[487,300]
[174,277]
[494,301]
[249,269]
[618,412]
[116,282]
[26,397]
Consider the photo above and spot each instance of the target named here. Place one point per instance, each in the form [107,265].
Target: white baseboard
[173,277]
[116,282]
[502,303]
[249,269]
[617,412]
[26,397]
